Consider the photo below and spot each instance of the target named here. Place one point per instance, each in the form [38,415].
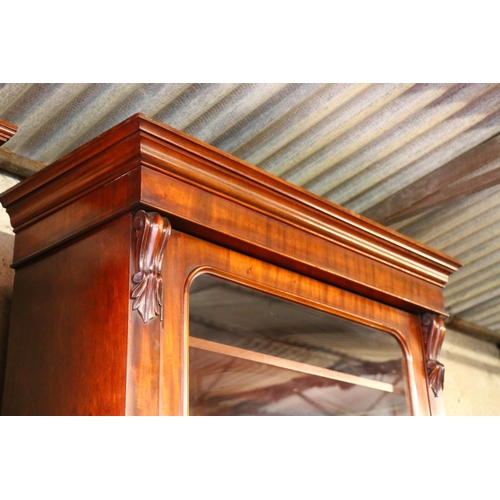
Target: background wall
[6,275]
[472,376]
[472,380]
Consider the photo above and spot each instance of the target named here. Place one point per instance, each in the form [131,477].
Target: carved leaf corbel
[151,232]
[434,330]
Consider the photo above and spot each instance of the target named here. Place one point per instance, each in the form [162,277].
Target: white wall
[472,375]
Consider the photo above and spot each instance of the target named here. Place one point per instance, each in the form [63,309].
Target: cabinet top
[142,145]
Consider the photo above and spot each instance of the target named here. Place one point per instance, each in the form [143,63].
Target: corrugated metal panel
[355,144]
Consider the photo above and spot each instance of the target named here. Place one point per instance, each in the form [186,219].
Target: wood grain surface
[78,347]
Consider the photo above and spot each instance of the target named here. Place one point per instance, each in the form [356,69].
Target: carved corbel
[434,329]
[151,233]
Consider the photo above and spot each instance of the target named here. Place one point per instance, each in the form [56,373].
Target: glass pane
[255,354]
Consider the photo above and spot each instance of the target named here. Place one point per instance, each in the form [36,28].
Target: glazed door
[252,353]
[250,338]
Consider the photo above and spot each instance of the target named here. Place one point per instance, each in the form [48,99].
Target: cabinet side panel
[67,349]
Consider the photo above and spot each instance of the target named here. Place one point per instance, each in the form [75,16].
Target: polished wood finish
[212,194]
[194,256]
[67,351]
[7,131]
[111,235]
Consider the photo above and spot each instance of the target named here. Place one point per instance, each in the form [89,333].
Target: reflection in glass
[255,354]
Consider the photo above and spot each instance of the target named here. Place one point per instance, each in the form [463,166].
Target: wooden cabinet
[157,275]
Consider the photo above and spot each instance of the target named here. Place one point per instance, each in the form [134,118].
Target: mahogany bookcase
[158,275]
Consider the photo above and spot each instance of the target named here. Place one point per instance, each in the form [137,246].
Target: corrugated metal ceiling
[358,145]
